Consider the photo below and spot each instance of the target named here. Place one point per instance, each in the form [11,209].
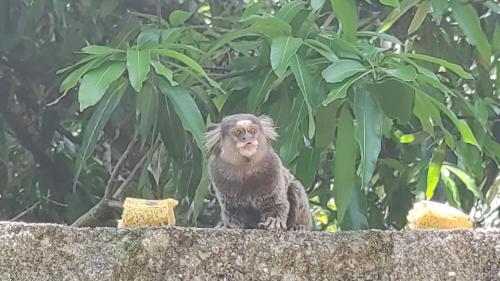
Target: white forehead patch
[244,123]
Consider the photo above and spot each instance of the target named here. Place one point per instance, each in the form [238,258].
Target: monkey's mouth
[248,145]
[248,149]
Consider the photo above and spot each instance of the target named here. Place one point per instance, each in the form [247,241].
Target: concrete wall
[53,252]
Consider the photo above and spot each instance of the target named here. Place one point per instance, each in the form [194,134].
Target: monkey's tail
[299,216]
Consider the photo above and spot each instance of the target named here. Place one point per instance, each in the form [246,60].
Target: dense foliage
[378,103]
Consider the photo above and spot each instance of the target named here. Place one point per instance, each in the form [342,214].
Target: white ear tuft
[268,127]
[212,137]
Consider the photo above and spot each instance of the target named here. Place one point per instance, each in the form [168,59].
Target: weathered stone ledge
[54,252]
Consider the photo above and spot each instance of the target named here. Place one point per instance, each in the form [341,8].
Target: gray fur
[255,192]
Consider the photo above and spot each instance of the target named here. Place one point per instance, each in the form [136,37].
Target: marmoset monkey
[251,184]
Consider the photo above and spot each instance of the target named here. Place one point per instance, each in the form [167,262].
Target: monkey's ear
[268,127]
[212,137]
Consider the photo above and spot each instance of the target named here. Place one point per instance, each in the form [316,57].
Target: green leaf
[403,72]
[451,66]
[434,171]
[339,90]
[427,113]
[305,83]
[491,147]
[381,35]
[227,38]
[344,163]
[347,13]
[187,47]
[368,132]
[439,7]
[100,50]
[186,109]
[170,35]
[461,125]
[280,110]
[164,71]
[80,62]
[356,214]
[415,138]
[74,77]
[322,49]
[493,6]
[405,6]
[495,41]
[344,48]
[468,21]
[178,17]
[202,191]
[326,120]
[95,83]
[422,10]
[472,160]
[173,135]
[263,87]
[434,83]
[307,165]
[148,38]
[317,4]
[269,25]
[128,30]
[452,193]
[466,179]
[253,8]
[190,175]
[497,81]
[342,69]
[290,10]
[182,58]
[147,101]
[282,49]
[138,67]
[448,138]
[96,124]
[189,62]
[480,111]
[392,3]
[293,135]
[395,98]
[305,26]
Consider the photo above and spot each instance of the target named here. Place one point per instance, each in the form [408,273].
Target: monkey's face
[245,136]
[240,135]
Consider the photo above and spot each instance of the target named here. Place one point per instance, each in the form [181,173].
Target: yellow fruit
[432,215]
[143,212]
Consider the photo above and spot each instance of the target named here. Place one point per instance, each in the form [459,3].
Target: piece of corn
[428,215]
[143,212]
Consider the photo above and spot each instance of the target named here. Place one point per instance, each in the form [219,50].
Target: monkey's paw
[298,228]
[273,224]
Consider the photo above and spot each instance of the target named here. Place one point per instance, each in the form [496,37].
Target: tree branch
[107,201]
[22,214]
[124,185]
[92,214]
[109,186]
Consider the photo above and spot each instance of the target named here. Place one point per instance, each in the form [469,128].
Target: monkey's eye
[252,130]
[236,132]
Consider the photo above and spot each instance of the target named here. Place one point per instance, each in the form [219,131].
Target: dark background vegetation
[378,103]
